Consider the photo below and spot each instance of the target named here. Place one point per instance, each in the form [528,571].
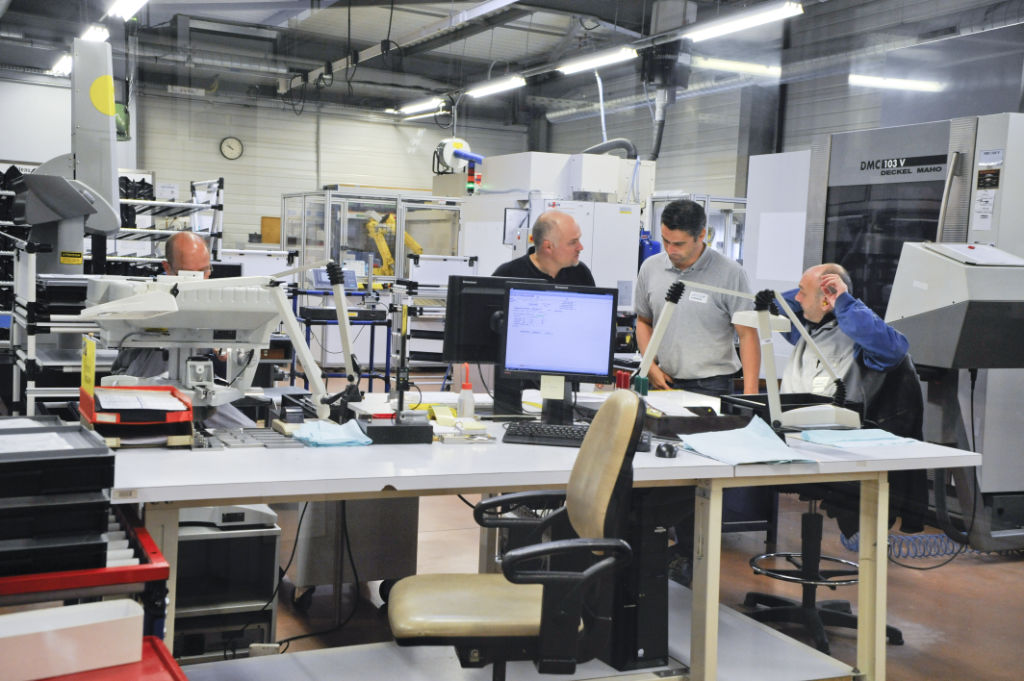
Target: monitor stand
[508,395]
[558,412]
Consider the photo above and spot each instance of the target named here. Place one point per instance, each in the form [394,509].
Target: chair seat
[423,606]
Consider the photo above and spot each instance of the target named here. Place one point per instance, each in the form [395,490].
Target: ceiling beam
[632,16]
[430,33]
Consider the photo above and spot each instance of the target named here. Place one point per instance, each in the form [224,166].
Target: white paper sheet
[754,443]
[121,400]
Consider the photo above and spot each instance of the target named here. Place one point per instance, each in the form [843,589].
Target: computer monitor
[472,323]
[322,281]
[558,330]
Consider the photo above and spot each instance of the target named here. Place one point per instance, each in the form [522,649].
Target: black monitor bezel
[454,350]
[535,285]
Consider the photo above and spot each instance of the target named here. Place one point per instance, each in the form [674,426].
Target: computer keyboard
[534,433]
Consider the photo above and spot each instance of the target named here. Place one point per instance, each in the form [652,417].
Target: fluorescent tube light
[715,64]
[96,33]
[421,106]
[125,9]
[422,115]
[493,86]
[595,61]
[758,16]
[896,83]
[62,67]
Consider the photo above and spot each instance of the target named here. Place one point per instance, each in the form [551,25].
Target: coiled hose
[920,546]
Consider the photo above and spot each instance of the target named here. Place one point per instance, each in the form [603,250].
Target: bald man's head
[556,240]
[186,251]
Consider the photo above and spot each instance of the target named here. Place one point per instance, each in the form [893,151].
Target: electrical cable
[466,501]
[252,356]
[355,580]
[480,373]
[280,578]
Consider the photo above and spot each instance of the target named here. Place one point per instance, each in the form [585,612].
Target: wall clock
[231,148]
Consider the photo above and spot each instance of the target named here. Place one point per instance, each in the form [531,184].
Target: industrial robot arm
[378,231]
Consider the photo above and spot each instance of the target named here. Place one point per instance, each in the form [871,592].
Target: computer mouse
[665,450]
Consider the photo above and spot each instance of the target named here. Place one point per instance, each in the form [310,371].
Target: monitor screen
[559,330]
[472,327]
[321,280]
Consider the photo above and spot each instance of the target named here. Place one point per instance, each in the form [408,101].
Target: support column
[707,554]
[871,587]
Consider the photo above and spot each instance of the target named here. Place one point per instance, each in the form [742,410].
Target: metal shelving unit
[46,356]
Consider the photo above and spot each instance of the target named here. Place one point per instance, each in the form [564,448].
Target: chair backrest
[598,495]
[898,406]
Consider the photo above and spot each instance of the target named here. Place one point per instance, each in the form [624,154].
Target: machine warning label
[70,258]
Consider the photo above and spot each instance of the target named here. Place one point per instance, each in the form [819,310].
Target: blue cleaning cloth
[327,434]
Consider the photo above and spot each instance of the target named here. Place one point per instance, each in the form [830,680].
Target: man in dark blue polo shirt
[555,255]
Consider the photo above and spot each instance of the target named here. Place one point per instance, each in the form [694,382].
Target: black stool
[814,616]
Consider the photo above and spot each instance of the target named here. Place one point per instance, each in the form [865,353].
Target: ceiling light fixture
[715,64]
[125,9]
[493,86]
[62,67]
[896,83]
[760,15]
[595,61]
[96,33]
[421,106]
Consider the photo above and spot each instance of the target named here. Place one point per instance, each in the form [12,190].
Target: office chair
[543,606]
[899,408]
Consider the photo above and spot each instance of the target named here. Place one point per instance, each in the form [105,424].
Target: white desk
[166,480]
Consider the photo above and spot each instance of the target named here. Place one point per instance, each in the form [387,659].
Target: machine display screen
[866,225]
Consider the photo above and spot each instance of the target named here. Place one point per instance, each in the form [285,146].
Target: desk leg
[707,550]
[162,525]
[871,587]
[488,551]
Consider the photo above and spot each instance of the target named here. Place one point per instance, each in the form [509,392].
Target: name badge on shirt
[698,296]
[820,384]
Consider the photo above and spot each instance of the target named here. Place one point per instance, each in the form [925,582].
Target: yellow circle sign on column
[101,93]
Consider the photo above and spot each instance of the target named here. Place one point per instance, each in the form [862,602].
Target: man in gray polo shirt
[697,351]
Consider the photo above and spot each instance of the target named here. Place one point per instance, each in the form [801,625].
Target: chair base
[814,619]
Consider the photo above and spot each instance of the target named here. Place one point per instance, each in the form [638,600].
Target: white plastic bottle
[465,409]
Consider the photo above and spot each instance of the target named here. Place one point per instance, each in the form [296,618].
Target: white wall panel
[179,141]
[827,105]
[699,148]
[35,121]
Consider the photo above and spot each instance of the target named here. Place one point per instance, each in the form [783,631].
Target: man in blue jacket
[858,345]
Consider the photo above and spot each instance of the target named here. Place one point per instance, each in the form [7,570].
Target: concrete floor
[961,622]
